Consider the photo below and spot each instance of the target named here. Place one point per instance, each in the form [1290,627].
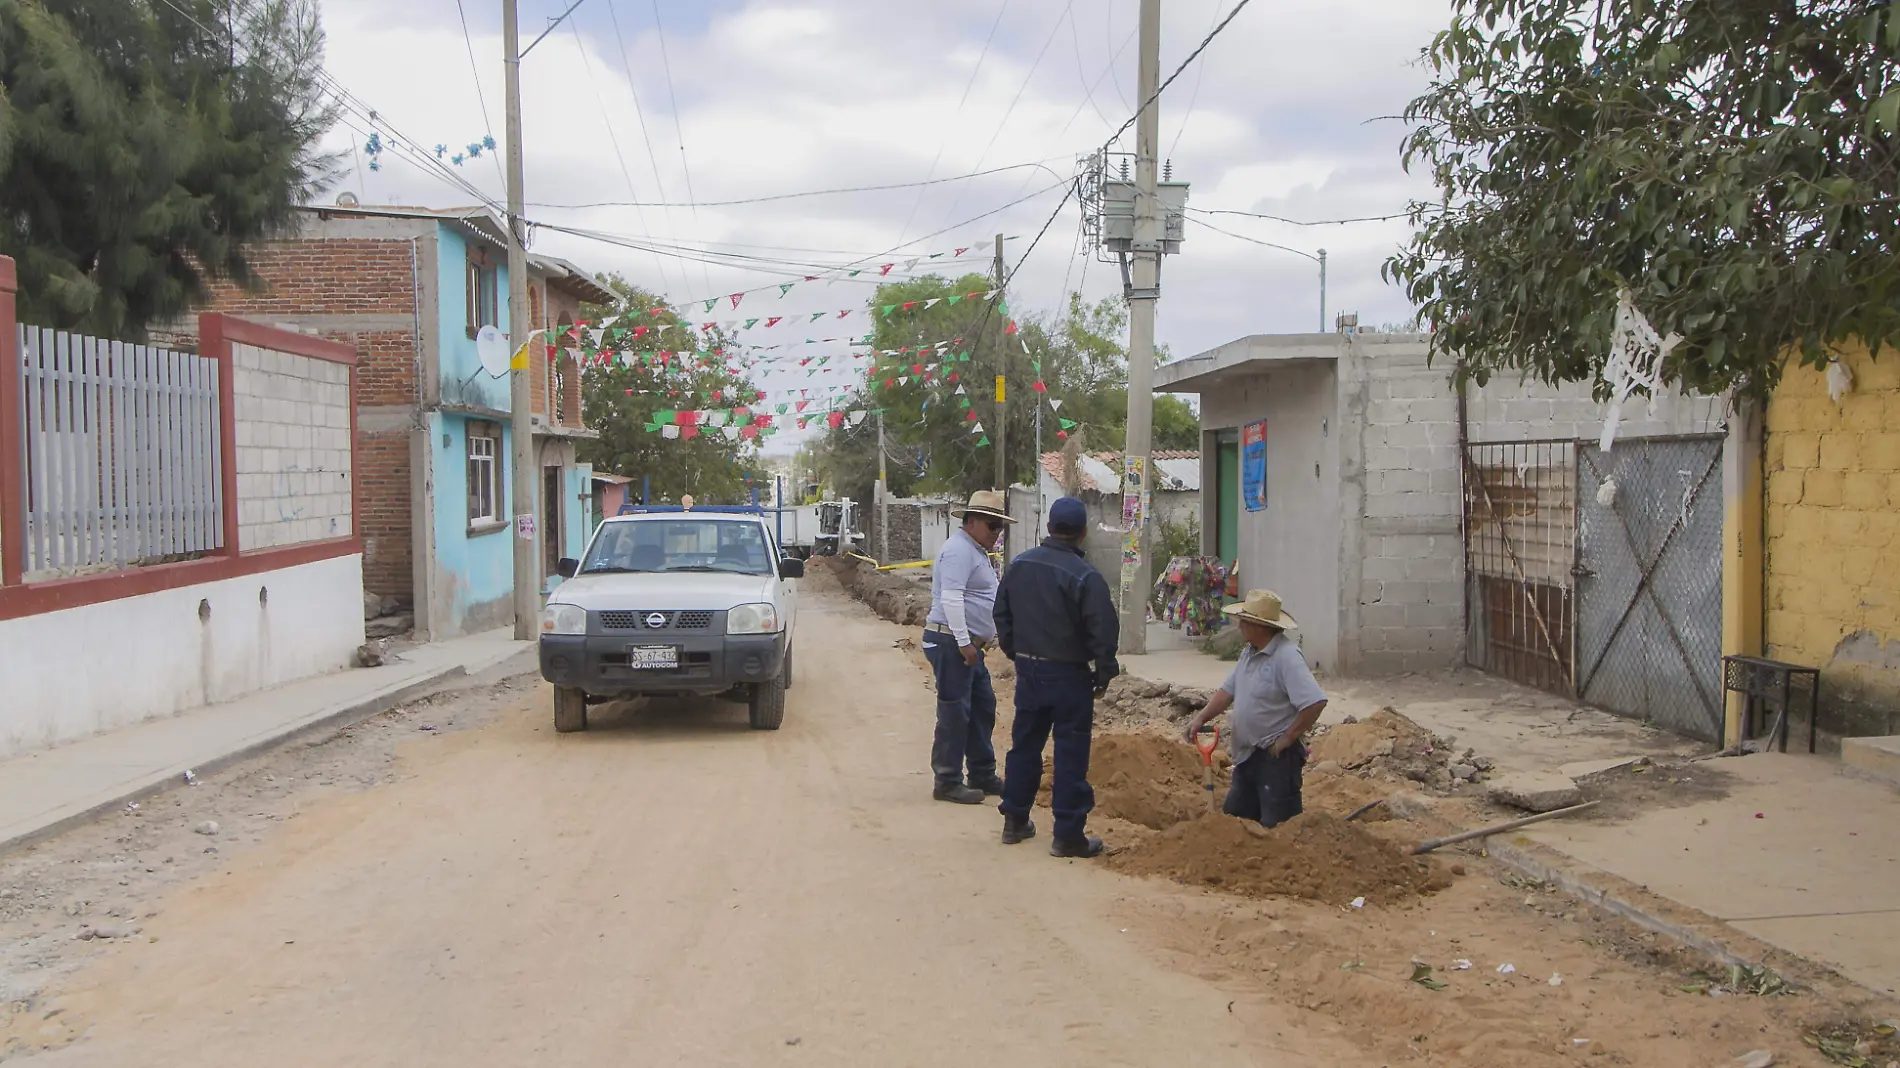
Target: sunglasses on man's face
[992,525]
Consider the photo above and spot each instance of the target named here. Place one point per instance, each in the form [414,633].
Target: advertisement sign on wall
[1253,465]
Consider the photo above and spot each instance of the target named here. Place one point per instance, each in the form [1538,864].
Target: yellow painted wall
[1832,538]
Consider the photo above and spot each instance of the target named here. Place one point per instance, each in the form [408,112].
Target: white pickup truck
[670,601]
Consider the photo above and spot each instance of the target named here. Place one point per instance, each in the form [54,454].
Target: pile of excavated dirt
[1148,779]
[1132,701]
[898,596]
[1389,747]
[1315,855]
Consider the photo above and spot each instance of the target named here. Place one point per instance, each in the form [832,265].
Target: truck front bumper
[708,664]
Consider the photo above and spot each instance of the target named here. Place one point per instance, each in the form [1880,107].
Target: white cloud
[779,96]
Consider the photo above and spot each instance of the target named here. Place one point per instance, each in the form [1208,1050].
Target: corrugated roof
[1180,470]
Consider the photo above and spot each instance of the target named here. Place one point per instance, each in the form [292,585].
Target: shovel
[1207,741]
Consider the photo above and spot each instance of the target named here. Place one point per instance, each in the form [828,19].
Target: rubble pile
[1316,855]
[1132,701]
[1387,747]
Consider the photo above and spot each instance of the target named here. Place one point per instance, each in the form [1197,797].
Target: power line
[1088,90]
[639,112]
[794,196]
[941,145]
[666,64]
[1239,6]
[475,71]
[1302,222]
[551,28]
[607,120]
[1017,99]
[1199,77]
[1254,240]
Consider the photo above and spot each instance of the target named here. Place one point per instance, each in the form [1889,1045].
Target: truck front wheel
[767,708]
[570,709]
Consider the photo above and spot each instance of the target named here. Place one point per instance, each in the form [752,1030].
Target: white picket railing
[122,453]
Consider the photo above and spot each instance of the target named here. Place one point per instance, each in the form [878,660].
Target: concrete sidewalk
[44,791]
[1816,874]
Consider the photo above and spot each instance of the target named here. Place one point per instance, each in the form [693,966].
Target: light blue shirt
[1270,687]
[963,590]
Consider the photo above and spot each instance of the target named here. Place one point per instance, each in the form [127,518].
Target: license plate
[653,656]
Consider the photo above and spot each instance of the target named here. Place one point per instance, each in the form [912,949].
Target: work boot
[991,784]
[957,793]
[1018,829]
[1080,848]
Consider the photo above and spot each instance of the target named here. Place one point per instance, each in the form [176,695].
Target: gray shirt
[963,590]
[1269,687]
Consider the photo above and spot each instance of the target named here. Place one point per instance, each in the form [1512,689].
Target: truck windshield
[653,545]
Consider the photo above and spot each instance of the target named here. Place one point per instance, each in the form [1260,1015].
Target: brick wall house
[410,289]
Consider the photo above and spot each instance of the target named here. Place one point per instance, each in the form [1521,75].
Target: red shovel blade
[1207,741]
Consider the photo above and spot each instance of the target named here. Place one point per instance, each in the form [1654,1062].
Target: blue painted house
[413,290]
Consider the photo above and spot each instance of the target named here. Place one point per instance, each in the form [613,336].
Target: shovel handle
[1212,734]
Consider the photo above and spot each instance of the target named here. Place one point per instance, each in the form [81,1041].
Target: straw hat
[1262,606]
[985,503]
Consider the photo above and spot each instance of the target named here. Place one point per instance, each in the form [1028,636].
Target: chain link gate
[1649,581]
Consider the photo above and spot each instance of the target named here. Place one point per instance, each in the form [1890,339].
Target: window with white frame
[483,474]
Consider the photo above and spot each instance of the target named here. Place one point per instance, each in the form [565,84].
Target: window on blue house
[483,473]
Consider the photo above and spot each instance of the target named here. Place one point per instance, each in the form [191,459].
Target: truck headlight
[752,619]
[563,619]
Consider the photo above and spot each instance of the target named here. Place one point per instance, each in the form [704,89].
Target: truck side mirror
[789,568]
[567,567]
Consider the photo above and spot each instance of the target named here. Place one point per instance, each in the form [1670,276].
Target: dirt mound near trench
[1151,779]
[1316,855]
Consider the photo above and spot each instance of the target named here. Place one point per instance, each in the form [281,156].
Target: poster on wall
[1253,465]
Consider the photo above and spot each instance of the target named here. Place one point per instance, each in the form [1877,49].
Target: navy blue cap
[1068,516]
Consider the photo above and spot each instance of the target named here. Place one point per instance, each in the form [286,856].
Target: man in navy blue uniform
[1057,623]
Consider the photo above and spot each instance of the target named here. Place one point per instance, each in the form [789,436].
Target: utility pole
[1322,291]
[520,397]
[1002,372]
[1136,458]
[883,498]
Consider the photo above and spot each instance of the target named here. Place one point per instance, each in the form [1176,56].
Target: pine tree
[145,144]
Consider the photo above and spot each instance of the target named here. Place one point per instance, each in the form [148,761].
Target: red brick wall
[382,490]
[349,276]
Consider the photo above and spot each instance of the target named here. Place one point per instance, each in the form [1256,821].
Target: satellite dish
[491,347]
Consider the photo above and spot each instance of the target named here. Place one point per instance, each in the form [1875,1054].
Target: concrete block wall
[294,448]
[1512,407]
[1831,587]
[1408,601]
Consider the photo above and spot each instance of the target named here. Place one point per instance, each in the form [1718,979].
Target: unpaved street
[670,888]
[455,884]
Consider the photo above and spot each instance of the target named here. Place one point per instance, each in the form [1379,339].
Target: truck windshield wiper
[703,567]
[610,569]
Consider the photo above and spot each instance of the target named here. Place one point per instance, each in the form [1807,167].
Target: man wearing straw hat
[1275,701]
[960,627]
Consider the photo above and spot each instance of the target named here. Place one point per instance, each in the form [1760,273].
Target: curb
[1696,931]
[171,778]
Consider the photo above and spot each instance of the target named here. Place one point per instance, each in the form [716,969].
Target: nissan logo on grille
[656,620]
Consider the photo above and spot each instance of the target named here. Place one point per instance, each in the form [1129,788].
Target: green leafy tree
[621,400]
[144,145]
[1082,363]
[1731,163]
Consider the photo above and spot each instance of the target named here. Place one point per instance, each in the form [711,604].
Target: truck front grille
[696,620]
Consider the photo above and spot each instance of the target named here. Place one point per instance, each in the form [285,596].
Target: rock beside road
[1535,791]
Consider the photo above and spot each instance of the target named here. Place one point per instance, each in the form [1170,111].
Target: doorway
[1227,495]
[552,538]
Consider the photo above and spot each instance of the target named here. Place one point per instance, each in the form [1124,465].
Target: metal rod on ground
[1497,828]
[1142,295]
[520,399]
[1363,809]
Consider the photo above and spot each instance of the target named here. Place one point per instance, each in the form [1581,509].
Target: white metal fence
[122,453]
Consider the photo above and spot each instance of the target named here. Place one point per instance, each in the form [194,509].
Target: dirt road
[669,888]
[455,884]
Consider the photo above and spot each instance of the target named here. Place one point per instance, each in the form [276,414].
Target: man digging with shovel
[1275,701]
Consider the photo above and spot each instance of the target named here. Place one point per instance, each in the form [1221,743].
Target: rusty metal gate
[1649,581]
[1612,596]
[1520,546]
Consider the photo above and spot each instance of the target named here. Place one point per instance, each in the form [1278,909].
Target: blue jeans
[966,713]
[1054,699]
[1266,788]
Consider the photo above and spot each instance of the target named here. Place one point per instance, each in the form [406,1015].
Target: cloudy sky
[1285,114]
